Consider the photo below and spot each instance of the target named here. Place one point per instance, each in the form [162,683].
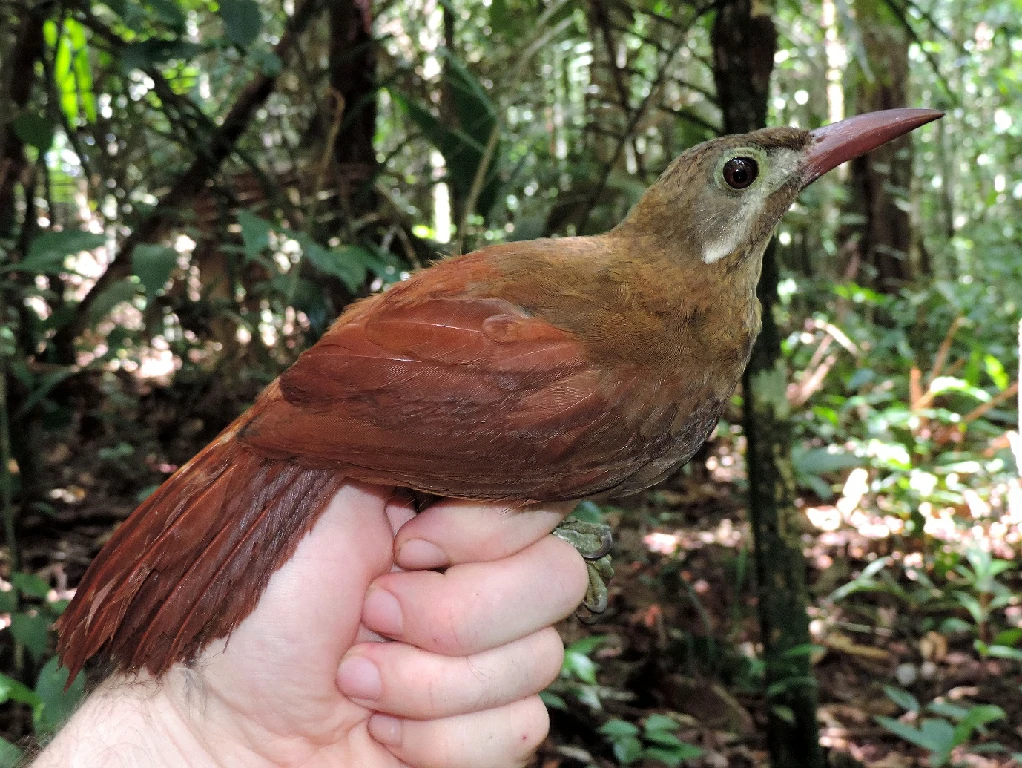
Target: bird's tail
[190,563]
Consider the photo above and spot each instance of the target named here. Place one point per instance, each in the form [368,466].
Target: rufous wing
[463,395]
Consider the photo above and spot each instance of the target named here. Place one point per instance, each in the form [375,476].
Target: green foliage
[152,265]
[656,740]
[10,755]
[463,136]
[970,582]
[32,613]
[577,678]
[912,407]
[49,251]
[242,21]
[956,726]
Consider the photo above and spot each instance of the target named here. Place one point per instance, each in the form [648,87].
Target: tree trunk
[744,43]
[353,81]
[880,179]
[19,82]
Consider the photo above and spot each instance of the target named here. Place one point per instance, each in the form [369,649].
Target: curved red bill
[838,142]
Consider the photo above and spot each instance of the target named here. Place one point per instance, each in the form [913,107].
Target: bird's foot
[593,542]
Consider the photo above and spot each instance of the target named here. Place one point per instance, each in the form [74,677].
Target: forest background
[191,191]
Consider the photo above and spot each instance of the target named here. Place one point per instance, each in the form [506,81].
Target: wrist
[129,723]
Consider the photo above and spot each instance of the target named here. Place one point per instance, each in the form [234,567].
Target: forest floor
[680,638]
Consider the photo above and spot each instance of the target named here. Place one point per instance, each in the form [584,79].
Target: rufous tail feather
[191,562]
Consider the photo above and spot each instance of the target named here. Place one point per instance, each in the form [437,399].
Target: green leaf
[943,384]
[617,729]
[817,461]
[663,738]
[152,265]
[35,130]
[947,709]
[580,666]
[1003,652]
[860,377]
[937,736]
[587,645]
[30,584]
[269,63]
[148,53]
[801,651]
[995,370]
[121,291]
[553,701]
[255,233]
[72,72]
[57,704]
[463,136]
[47,253]
[83,100]
[12,690]
[242,21]
[976,718]
[42,386]
[588,511]
[10,755]
[657,722]
[674,756]
[902,698]
[627,750]
[168,12]
[33,632]
[346,264]
[8,600]
[783,712]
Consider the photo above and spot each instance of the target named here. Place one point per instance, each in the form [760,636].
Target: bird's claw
[593,541]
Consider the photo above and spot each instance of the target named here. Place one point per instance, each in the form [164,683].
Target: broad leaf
[121,291]
[242,21]
[33,632]
[152,265]
[255,233]
[10,755]
[47,253]
[30,584]
[35,130]
[57,704]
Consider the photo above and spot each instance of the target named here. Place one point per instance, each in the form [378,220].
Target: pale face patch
[744,214]
[733,233]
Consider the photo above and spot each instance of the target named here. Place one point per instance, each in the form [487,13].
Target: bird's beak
[838,142]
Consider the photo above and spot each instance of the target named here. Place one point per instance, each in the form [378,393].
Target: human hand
[457,689]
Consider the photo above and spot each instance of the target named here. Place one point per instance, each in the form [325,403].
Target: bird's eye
[740,172]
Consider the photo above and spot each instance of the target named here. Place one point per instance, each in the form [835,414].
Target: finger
[505,737]
[405,681]
[473,607]
[455,531]
[400,510]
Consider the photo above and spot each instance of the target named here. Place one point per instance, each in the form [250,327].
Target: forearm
[124,724]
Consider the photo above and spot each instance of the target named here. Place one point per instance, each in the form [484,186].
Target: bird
[536,371]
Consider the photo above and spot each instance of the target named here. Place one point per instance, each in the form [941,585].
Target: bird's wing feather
[462,395]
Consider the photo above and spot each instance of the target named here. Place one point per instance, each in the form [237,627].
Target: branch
[637,115]
[206,163]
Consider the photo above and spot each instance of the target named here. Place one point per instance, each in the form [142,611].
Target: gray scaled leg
[593,542]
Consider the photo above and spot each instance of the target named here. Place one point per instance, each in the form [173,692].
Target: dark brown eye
[740,172]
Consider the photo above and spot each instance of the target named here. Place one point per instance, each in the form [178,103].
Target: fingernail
[359,678]
[382,613]
[385,729]
[419,553]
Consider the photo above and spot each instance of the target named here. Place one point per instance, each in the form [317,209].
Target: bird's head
[719,202]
